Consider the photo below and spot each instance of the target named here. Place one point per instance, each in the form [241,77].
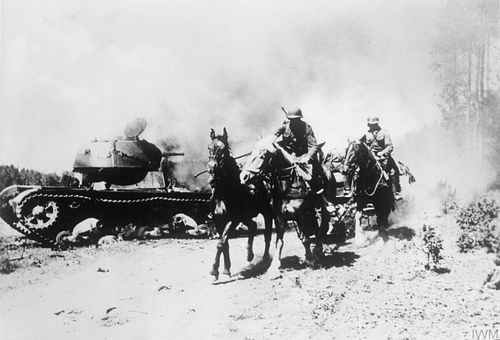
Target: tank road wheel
[42,216]
[61,238]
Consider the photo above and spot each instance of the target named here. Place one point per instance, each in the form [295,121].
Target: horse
[291,199]
[370,184]
[233,203]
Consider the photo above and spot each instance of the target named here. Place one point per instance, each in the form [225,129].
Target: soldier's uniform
[301,142]
[297,138]
[380,143]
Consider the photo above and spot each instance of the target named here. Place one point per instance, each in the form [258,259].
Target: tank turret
[122,162]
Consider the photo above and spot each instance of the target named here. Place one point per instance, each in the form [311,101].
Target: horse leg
[321,232]
[268,232]
[273,271]
[360,237]
[252,230]
[304,221]
[215,267]
[227,259]
[224,243]
[222,248]
[383,223]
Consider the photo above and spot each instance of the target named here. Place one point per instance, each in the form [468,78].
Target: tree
[465,57]
[10,175]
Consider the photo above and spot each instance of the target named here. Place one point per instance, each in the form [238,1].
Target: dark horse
[291,199]
[370,184]
[234,203]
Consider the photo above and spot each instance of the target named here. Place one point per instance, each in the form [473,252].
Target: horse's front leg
[360,237]
[252,231]
[268,232]
[222,248]
[224,245]
[273,272]
[321,232]
[383,223]
[215,266]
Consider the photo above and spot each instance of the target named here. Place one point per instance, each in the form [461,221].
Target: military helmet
[294,113]
[372,120]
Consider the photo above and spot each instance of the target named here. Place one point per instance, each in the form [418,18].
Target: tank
[117,182]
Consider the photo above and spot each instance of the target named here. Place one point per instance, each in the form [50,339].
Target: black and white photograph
[249,170]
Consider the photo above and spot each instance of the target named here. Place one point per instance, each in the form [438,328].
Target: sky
[75,71]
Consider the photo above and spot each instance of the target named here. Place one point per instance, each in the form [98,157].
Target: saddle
[291,184]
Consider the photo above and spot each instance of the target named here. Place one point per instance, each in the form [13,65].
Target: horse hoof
[273,275]
[384,234]
[250,257]
[214,275]
[225,277]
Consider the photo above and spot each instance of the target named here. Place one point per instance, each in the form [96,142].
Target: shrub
[477,229]
[492,238]
[432,246]
[6,265]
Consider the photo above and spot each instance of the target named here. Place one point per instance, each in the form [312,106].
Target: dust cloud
[77,71]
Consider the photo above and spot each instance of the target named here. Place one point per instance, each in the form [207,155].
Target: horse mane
[270,144]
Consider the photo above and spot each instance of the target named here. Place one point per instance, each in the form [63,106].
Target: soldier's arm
[389,147]
[312,143]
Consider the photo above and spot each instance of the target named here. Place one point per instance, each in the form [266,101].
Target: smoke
[75,71]
[438,159]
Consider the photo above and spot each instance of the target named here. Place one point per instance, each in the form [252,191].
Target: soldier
[380,143]
[297,138]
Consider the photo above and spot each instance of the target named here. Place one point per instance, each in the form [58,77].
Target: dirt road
[162,290]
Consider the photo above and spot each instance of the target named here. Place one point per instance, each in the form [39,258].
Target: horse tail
[404,170]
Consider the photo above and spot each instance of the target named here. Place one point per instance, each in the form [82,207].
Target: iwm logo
[482,334]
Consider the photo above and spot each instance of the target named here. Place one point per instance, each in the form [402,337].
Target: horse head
[358,155]
[362,168]
[218,148]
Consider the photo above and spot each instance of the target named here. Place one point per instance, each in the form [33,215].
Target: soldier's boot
[396,186]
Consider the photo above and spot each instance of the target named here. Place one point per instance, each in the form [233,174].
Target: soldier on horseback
[379,141]
[297,138]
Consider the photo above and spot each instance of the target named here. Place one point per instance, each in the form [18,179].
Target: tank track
[43,214]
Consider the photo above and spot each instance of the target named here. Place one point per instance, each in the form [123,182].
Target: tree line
[11,175]
[466,61]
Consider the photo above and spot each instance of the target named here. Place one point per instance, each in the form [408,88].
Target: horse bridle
[218,151]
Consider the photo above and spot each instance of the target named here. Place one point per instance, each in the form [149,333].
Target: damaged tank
[117,182]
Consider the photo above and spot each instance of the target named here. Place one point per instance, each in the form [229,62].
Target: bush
[6,265]
[432,246]
[492,238]
[477,229]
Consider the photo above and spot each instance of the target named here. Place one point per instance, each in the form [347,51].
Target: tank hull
[41,213]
